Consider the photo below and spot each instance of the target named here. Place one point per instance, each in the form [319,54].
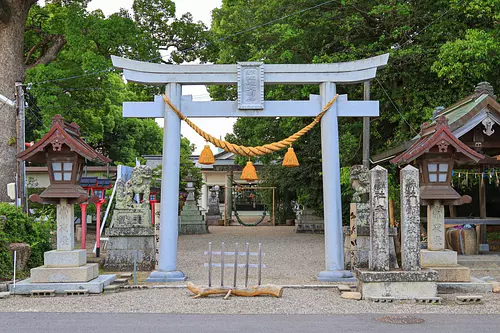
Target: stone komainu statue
[360,182]
[138,187]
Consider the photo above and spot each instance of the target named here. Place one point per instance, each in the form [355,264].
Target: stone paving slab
[94,286]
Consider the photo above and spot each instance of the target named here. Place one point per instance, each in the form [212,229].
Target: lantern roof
[441,136]
[61,133]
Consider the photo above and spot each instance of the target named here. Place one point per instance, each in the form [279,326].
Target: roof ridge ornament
[484,88]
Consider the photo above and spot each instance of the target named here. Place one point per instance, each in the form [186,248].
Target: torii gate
[250,78]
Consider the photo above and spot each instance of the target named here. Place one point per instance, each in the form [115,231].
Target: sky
[201,11]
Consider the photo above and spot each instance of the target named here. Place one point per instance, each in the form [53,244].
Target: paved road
[164,323]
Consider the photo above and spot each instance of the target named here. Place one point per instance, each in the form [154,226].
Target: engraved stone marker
[379,226]
[435,226]
[250,86]
[65,227]
[410,218]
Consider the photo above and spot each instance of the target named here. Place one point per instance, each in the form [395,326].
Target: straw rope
[251,151]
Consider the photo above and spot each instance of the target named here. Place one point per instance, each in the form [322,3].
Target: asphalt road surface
[135,323]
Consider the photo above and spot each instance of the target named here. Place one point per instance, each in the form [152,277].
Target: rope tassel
[206,156]
[290,160]
[249,173]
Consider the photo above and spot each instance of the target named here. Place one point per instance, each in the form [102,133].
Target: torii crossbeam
[250,78]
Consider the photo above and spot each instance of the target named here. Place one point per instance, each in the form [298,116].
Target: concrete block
[43,293]
[351,295]
[125,275]
[469,300]
[4,295]
[83,273]
[398,290]
[95,286]
[429,300]
[452,273]
[73,258]
[77,292]
[430,258]
[381,299]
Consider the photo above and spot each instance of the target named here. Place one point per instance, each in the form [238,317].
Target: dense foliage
[94,95]
[20,228]
[439,50]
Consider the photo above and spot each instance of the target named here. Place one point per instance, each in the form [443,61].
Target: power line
[394,104]
[196,47]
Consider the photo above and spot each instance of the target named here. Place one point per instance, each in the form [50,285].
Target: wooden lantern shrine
[64,152]
[435,154]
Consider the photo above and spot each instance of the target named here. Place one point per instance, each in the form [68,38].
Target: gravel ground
[291,258]
[294,301]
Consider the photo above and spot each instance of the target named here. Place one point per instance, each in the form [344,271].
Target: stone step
[475,286]
[121,281]
[125,275]
[4,295]
[468,300]
[114,288]
[429,300]
[342,287]
[77,292]
[43,293]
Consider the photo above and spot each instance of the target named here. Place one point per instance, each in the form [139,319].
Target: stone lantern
[64,152]
[434,153]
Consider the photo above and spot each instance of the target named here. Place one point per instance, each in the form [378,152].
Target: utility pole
[21,139]
[366,128]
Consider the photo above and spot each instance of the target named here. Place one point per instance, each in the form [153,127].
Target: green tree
[425,39]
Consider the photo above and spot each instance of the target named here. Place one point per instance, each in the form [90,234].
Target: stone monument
[357,234]
[131,232]
[308,222]
[191,220]
[213,215]
[379,281]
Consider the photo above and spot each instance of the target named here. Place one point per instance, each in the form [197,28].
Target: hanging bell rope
[251,151]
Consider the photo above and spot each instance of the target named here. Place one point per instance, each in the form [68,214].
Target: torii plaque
[251,104]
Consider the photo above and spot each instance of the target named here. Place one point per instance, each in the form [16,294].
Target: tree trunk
[13,14]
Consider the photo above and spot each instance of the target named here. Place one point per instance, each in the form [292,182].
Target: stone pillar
[169,206]
[435,226]
[65,226]
[379,219]
[204,194]
[334,254]
[228,214]
[410,218]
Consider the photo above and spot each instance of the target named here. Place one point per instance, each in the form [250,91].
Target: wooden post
[482,205]
[366,127]
[453,211]
[246,264]
[235,263]
[222,265]
[260,265]
[392,219]
[274,220]
[209,264]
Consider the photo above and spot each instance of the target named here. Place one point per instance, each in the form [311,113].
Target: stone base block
[397,284]
[193,229]
[95,286]
[169,276]
[121,249]
[472,287]
[336,276]
[430,258]
[44,274]
[313,228]
[452,273]
[132,218]
[74,258]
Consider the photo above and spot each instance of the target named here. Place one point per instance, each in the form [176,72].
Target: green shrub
[21,228]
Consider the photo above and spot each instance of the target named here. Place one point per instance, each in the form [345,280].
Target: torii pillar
[250,78]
